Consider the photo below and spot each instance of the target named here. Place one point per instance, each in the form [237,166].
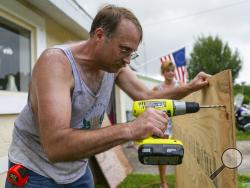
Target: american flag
[178,58]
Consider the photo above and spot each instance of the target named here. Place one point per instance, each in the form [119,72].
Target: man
[69,92]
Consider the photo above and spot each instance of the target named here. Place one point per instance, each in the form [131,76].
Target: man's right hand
[151,122]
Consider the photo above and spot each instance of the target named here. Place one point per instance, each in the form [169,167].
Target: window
[15,56]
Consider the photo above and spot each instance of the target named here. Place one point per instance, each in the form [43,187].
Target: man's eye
[124,50]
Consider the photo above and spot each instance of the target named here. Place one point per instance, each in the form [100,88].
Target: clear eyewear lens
[134,55]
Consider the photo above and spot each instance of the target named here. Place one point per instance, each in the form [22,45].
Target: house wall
[57,34]
[54,33]
[6,126]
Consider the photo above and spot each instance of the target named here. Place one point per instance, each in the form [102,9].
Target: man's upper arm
[51,84]
[130,84]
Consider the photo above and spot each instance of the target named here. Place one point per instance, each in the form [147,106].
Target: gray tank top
[87,113]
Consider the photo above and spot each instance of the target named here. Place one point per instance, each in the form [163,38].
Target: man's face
[117,50]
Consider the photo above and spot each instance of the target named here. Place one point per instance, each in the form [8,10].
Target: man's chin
[114,70]
[117,69]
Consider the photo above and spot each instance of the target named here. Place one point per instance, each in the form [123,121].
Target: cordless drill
[160,151]
[171,107]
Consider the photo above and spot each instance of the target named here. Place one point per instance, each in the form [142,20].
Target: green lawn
[142,181]
[240,135]
[242,180]
[145,181]
[153,181]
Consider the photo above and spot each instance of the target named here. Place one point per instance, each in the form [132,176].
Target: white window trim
[13,102]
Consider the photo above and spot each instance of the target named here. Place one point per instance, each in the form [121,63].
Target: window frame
[13,102]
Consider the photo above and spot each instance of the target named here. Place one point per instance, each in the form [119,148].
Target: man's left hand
[200,81]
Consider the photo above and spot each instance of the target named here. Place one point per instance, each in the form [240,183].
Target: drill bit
[212,106]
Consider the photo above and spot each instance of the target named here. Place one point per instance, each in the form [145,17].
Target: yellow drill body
[165,105]
[160,151]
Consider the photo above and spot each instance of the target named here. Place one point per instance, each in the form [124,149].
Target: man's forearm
[78,144]
[175,93]
[179,92]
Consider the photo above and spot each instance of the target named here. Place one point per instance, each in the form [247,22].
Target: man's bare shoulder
[52,53]
[51,58]
[52,63]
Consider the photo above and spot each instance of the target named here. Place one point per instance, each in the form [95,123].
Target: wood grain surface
[206,135]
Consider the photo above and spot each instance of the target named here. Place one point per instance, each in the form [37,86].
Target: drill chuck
[192,107]
[181,107]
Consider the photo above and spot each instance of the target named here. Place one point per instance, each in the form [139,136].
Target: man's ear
[99,33]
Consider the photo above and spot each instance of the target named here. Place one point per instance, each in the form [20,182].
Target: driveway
[244,148]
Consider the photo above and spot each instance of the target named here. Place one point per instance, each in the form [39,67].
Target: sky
[171,25]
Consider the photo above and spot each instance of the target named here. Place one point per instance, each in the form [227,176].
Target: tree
[212,56]
[244,90]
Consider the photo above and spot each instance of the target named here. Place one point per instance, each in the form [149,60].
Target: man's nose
[126,60]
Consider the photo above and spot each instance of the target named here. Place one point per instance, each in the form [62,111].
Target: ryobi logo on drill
[154,104]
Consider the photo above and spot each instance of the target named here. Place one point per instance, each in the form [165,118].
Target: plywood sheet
[205,135]
[113,163]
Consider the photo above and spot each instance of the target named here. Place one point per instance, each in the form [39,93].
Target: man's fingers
[203,74]
[158,132]
[151,122]
[160,119]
